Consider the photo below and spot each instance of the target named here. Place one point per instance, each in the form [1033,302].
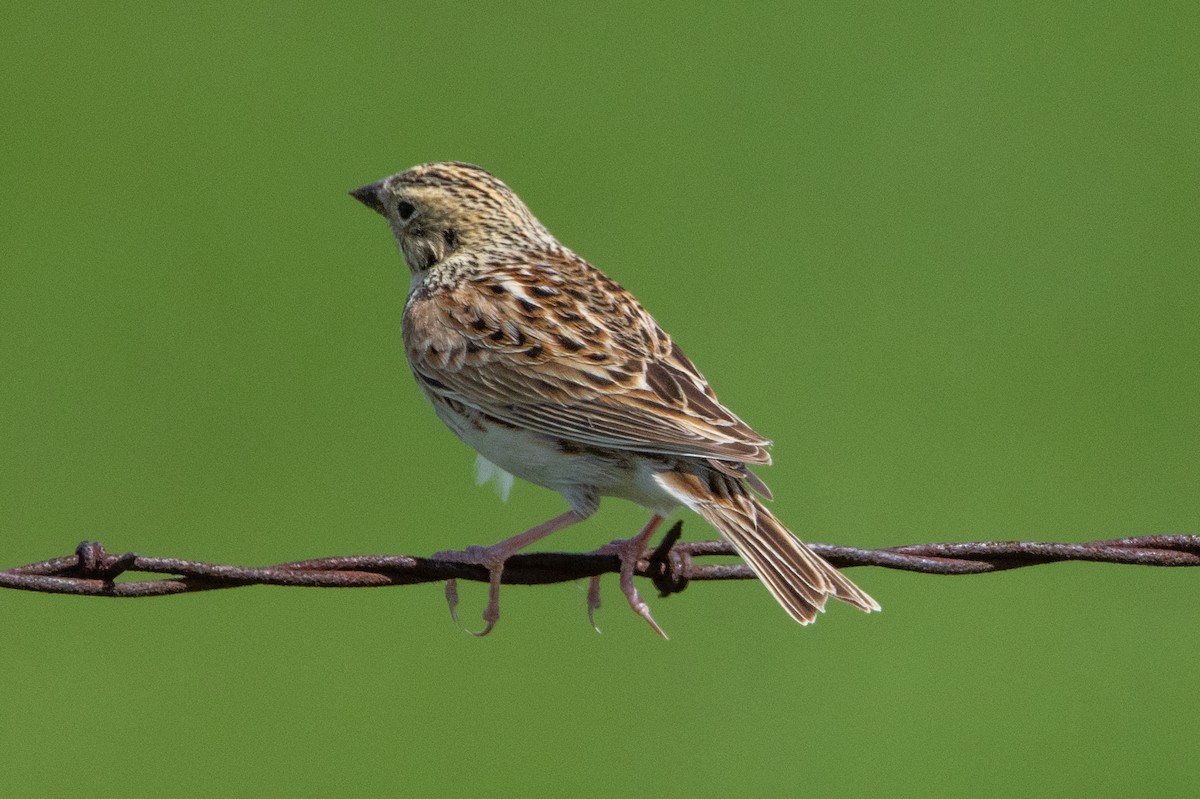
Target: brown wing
[562,349]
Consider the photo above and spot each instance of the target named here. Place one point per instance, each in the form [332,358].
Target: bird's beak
[370,196]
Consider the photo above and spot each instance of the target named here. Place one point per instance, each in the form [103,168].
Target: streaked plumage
[555,373]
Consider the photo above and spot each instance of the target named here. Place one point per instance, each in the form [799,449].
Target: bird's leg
[492,558]
[629,550]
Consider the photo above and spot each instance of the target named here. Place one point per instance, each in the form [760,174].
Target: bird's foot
[629,551]
[493,558]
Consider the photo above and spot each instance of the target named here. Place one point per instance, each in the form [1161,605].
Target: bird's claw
[452,599]
[629,550]
[593,600]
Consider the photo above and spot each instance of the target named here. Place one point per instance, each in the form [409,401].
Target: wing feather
[561,349]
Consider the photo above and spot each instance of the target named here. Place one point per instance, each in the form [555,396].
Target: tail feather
[798,578]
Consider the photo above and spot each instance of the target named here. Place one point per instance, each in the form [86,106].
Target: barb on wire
[92,571]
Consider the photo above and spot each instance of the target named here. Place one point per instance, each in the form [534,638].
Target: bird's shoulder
[551,342]
[548,305]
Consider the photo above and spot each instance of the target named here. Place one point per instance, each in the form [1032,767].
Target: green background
[945,256]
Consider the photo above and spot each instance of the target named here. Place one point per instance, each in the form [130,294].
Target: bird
[555,373]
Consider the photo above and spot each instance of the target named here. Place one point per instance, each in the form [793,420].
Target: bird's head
[436,210]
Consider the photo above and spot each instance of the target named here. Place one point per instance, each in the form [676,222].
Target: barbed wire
[92,571]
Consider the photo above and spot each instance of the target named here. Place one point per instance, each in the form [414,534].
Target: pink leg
[492,558]
[629,550]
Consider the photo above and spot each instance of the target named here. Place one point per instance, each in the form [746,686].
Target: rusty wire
[92,571]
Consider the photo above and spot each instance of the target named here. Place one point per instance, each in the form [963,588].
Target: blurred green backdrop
[945,256]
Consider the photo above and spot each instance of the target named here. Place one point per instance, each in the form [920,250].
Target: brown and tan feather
[552,344]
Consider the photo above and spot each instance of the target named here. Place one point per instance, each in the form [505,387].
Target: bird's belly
[560,465]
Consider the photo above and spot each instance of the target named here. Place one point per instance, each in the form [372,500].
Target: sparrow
[556,374]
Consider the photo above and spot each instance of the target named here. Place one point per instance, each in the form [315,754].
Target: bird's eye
[405,210]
